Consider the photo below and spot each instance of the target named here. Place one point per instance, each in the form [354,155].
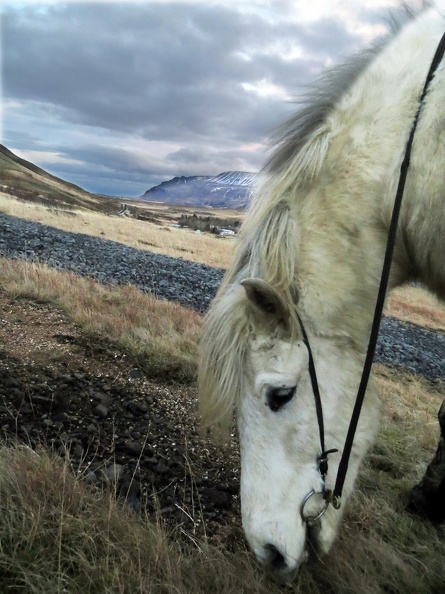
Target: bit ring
[310,520]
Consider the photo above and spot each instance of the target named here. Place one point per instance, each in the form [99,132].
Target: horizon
[117,97]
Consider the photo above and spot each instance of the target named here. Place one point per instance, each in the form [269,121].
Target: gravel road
[419,350]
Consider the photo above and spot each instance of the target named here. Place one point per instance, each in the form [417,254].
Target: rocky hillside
[25,180]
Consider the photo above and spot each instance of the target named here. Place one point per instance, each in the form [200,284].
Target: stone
[114,472]
[101,411]
[217,499]
[134,448]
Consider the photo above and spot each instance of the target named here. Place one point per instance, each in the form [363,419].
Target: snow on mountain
[230,189]
[240,178]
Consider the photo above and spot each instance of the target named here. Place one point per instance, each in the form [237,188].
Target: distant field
[158,236]
[408,303]
[414,304]
[168,212]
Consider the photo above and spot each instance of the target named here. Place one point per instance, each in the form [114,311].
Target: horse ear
[266,299]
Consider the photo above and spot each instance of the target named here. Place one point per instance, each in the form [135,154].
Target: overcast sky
[119,96]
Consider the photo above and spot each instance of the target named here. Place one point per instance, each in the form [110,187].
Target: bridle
[334,496]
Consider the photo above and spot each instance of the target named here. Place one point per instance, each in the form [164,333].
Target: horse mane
[219,379]
[301,141]
[268,241]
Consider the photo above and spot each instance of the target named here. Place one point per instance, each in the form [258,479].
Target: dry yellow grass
[58,536]
[407,303]
[411,400]
[417,305]
[160,239]
[162,336]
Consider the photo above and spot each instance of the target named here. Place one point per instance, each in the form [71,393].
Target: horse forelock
[230,325]
[268,250]
[223,351]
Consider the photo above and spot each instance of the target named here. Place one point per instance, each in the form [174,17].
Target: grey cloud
[155,67]
[162,72]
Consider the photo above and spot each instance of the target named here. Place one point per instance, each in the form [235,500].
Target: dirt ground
[84,398]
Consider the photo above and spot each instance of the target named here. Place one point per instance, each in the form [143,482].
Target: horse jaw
[271,493]
[279,449]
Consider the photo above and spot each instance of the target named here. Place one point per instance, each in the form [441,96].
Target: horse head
[277,420]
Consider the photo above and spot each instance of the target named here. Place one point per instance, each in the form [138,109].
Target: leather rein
[334,496]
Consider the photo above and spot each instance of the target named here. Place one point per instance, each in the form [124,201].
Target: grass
[414,304]
[56,535]
[25,180]
[161,336]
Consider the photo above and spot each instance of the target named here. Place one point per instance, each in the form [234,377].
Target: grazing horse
[309,258]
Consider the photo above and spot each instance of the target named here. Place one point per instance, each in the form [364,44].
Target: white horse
[312,245]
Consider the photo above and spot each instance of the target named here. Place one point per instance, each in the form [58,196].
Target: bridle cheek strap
[323,457]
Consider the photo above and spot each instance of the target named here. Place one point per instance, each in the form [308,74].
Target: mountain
[25,180]
[20,178]
[231,189]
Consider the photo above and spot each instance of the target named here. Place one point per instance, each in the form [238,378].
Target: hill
[23,179]
[31,183]
[231,189]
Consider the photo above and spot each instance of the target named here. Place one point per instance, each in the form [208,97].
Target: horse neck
[345,211]
[339,265]
[343,221]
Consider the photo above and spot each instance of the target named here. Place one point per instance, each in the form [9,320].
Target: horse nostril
[276,560]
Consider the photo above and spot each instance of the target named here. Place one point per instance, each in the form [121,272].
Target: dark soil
[84,398]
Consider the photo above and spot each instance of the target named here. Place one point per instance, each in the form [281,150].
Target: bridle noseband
[334,496]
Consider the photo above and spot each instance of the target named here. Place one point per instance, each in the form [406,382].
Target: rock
[217,499]
[11,382]
[133,503]
[78,450]
[137,408]
[102,398]
[91,477]
[114,472]
[134,448]
[162,468]
[48,403]
[130,491]
[135,374]
[101,411]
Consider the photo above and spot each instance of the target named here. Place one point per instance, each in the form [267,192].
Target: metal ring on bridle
[312,519]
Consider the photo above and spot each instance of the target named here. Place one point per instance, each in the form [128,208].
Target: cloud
[206,78]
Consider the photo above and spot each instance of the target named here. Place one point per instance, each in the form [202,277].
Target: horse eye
[277,397]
